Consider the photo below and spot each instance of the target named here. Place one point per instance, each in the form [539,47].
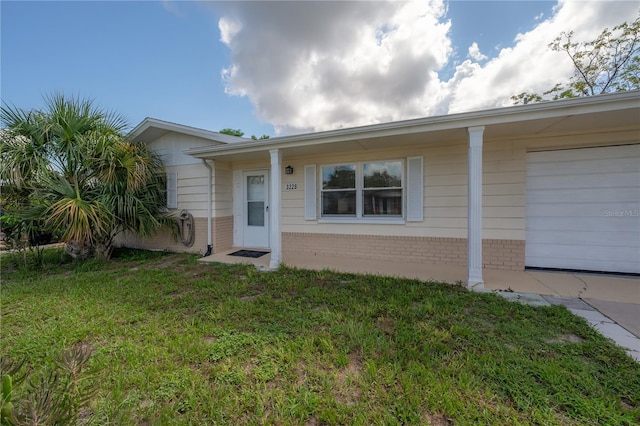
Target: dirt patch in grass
[199,274]
[250,297]
[181,291]
[436,420]
[257,286]
[190,312]
[566,338]
[347,381]
[312,421]
[165,262]
[300,373]
[627,404]
[320,308]
[84,414]
[386,325]
[174,261]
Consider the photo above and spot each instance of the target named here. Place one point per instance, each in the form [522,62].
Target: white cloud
[474,52]
[530,65]
[309,66]
[228,29]
[173,7]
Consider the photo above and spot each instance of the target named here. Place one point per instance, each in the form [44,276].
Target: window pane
[382,202]
[255,188]
[255,213]
[383,174]
[339,177]
[339,202]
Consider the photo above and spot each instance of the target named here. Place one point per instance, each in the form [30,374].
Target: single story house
[546,185]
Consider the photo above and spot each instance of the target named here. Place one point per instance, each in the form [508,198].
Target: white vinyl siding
[583,209]
[415,190]
[310,206]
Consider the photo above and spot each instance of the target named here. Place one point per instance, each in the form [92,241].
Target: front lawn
[173,341]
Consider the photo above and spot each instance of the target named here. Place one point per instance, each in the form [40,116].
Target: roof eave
[153,123]
[609,102]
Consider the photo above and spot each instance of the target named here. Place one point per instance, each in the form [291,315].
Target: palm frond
[75,210]
[84,177]
[79,219]
[22,154]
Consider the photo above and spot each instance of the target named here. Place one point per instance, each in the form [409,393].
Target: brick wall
[222,238]
[497,254]
[222,233]
[163,240]
[503,254]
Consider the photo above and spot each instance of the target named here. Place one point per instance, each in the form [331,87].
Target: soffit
[598,114]
[566,125]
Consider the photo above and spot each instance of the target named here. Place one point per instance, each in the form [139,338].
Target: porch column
[474,217]
[275,238]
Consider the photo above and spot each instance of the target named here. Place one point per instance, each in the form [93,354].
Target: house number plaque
[291,186]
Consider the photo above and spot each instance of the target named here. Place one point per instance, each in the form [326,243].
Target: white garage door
[583,209]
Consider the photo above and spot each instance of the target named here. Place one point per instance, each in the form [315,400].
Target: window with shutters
[382,189]
[339,190]
[363,190]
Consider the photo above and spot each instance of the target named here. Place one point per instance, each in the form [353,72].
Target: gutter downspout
[209,214]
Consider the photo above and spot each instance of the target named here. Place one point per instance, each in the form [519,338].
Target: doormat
[249,253]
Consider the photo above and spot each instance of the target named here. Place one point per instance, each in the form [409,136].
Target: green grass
[178,342]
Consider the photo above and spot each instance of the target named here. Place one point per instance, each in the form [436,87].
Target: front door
[256,209]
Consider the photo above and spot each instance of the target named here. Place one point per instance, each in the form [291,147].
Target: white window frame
[359,217]
[322,191]
[172,190]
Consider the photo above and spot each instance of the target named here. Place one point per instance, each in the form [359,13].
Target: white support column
[275,237]
[474,217]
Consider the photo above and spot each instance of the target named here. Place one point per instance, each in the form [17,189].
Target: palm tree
[71,168]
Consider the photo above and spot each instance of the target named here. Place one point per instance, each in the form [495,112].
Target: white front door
[255,209]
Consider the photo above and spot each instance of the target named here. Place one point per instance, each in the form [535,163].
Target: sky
[290,67]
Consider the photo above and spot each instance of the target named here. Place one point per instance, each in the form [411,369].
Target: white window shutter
[310,207]
[172,190]
[415,190]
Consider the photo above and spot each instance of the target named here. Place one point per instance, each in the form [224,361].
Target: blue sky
[291,66]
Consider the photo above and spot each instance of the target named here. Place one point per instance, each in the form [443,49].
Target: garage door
[583,209]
